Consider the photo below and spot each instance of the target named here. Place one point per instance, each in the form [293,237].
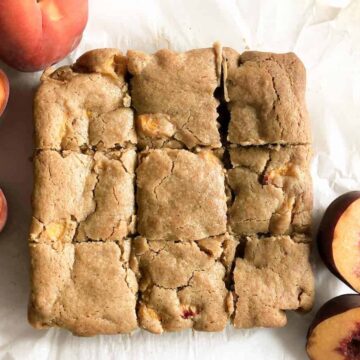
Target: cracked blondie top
[173,95]
[180,195]
[271,189]
[274,275]
[85,105]
[266,98]
[149,173]
[182,283]
[87,288]
[79,197]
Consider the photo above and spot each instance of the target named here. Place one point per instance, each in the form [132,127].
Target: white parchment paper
[326,36]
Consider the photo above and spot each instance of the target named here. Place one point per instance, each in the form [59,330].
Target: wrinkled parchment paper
[326,36]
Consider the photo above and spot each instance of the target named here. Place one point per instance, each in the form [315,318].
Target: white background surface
[326,36]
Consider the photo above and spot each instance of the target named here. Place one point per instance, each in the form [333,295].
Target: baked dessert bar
[271,189]
[180,195]
[273,276]
[182,283]
[86,105]
[173,95]
[142,206]
[266,98]
[87,288]
[80,197]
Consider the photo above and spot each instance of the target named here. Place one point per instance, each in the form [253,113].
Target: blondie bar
[86,105]
[173,95]
[271,188]
[182,283]
[180,195]
[79,197]
[87,288]
[266,98]
[273,276]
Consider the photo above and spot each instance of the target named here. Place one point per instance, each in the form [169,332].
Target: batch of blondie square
[171,191]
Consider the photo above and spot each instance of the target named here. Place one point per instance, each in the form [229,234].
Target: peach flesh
[335,331]
[348,248]
[339,238]
[331,339]
[350,346]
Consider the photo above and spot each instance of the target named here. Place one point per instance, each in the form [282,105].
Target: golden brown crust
[179,88]
[266,94]
[103,61]
[275,275]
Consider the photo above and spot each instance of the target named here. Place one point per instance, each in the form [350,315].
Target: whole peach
[38,33]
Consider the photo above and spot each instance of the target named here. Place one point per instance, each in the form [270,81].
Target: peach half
[335,331]
[339,238]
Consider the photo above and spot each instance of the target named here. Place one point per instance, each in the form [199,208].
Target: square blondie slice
[180,195]
[266,98]
[182,283]
[80,197]
[85,105]
[272,190]
[273,276]
[173,95]
[87,288]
